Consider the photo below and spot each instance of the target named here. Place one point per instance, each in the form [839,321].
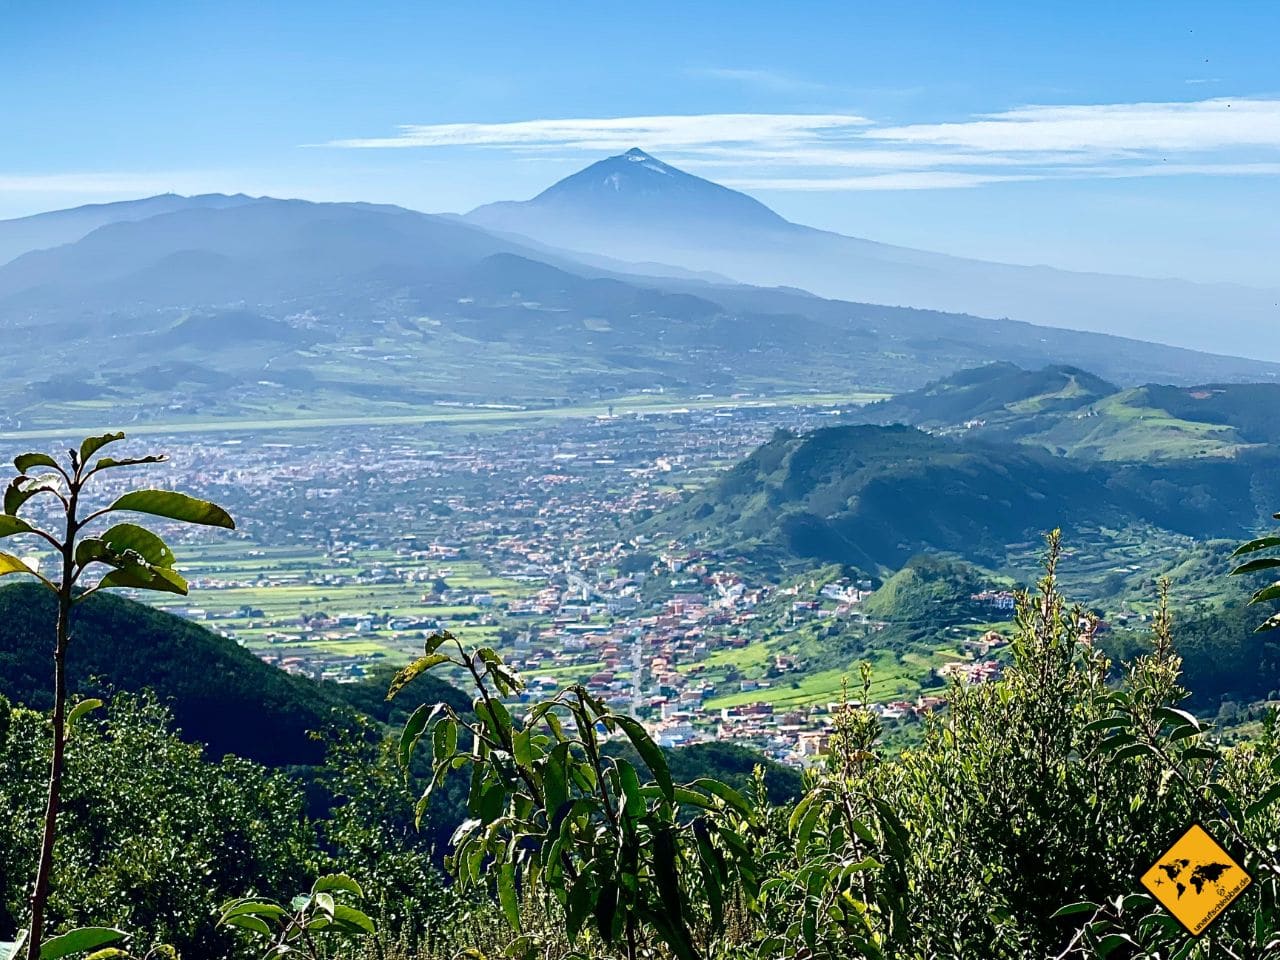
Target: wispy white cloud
[1105,128]
[911,180]
[659,132]
[951,179]
[1213,137]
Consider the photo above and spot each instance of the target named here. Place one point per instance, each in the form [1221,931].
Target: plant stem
[44,871]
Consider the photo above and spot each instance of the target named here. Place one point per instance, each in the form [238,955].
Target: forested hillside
[873,496]
[220,694]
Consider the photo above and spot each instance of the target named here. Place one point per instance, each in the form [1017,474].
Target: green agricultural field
[257,595]
[890,680]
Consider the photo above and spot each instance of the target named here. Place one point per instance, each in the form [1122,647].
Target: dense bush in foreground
[1016,828]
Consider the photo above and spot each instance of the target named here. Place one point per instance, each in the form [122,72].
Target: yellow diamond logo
[1196,880]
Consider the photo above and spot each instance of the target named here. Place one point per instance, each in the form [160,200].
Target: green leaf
[667,873]
[108,463]
[495,716]
[352,920]
[1107,723]
[249,922]
[805,829]
[606,909]
[798,812]
[124,537]
[1266,594]
[79,710]
[1133,750]
[634,806]
[729,795]
[28,460]
[1271,795]
[22,489]
[435,640]
[649,752]
[522,747]
[80,940]
[444,740]
[525,947]
[108,953]
[1200,753]
[255,908]
[579,906]
[684,797]
[507,894]
[132,568]
[414,728]
[11,564]
[92,445]
[146,578]
[175,506]
[1264,563]
[1176,717]
[336,881]
[11,526]
[1253,546]
[324,903]
[1071,909]
[555,778]
[710,866]
[1118,740]
[413,671]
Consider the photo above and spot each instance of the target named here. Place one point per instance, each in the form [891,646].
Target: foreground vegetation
[1016,827]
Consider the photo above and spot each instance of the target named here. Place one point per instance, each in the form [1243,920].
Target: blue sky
[1125,137]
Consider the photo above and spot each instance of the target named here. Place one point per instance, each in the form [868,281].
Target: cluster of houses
[551,511]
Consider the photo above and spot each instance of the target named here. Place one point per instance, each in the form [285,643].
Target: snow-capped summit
[632,191]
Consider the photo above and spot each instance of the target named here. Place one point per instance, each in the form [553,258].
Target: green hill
[998,396]
[221,695]
[872,497]
[929,589]
[1074,413]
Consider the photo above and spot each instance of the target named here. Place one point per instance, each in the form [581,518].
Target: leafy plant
[92,943]
[554,821]
[1257,564]
[1233,794]
[132,556]
[834,883]
[154,833]
[299,929]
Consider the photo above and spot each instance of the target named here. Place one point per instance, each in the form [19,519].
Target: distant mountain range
[67,226]
[634,207]
[218,306]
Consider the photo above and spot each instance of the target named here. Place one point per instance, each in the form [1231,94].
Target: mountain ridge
[1176,312]
[355,300]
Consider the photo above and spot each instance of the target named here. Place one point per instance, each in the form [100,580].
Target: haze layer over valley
[216,306]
